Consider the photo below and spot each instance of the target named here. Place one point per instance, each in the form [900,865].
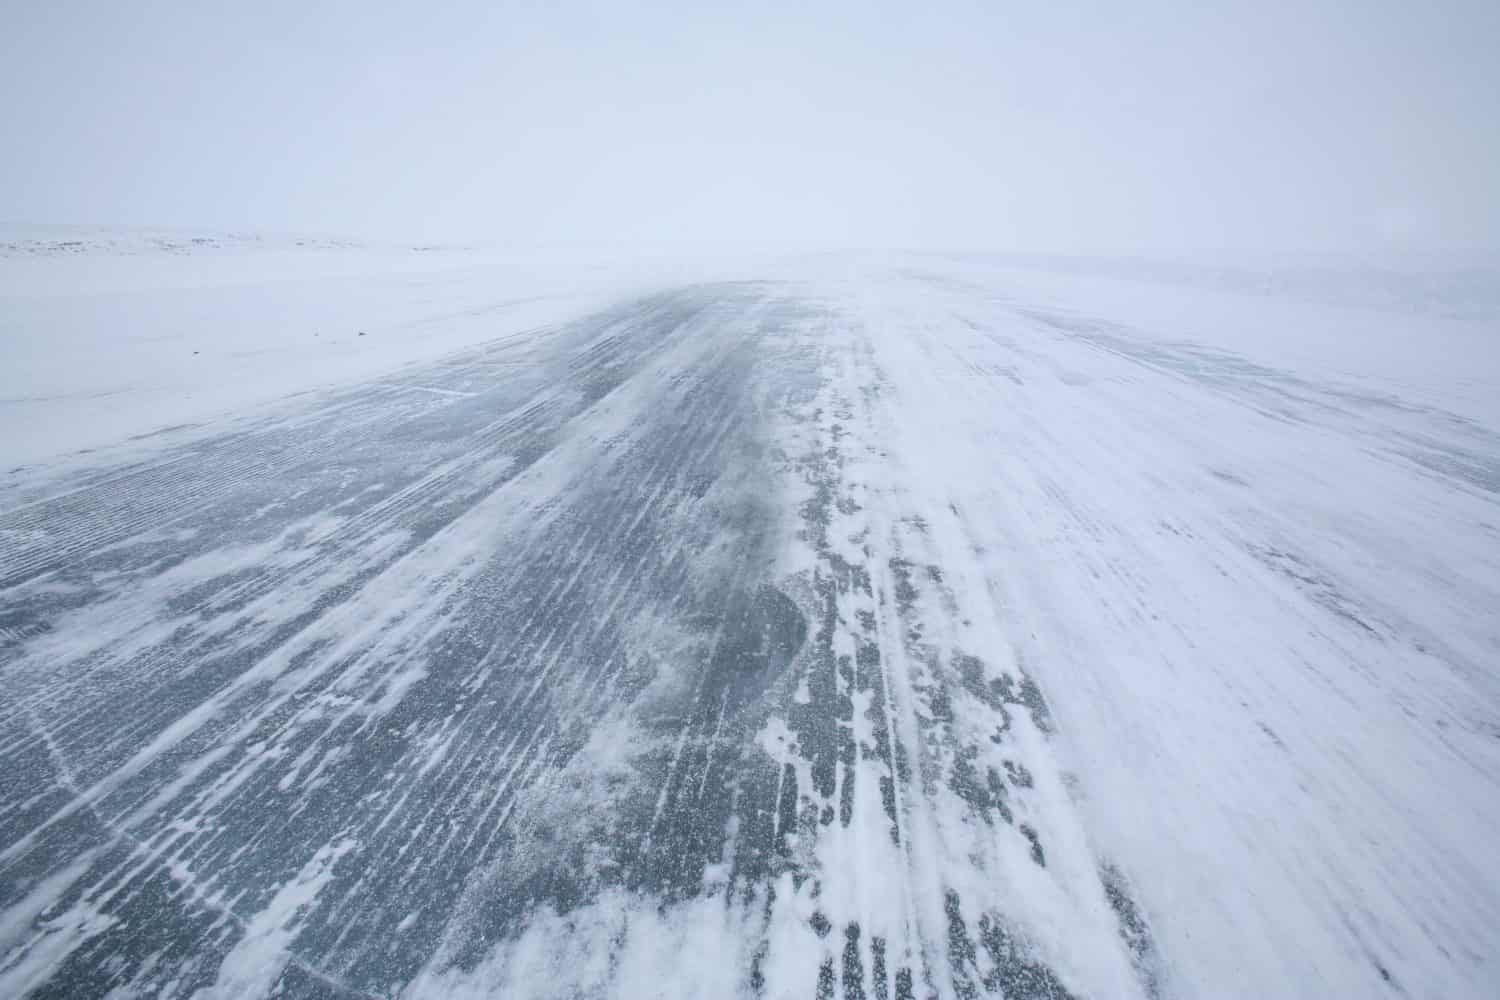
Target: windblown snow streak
[857,639]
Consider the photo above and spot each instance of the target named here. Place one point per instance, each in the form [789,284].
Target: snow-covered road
[903,628]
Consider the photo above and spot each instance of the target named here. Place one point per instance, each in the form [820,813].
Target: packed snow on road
[399,621]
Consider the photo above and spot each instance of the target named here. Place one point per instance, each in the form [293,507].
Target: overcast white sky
[1073,126]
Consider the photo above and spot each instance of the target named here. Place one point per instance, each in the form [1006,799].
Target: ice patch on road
[255,963]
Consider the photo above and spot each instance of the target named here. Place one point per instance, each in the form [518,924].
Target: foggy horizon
[1073,129]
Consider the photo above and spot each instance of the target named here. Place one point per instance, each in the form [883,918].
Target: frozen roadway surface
[899,631]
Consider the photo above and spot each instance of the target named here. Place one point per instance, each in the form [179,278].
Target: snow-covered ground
[861,625]
[1249,551]
[106,334]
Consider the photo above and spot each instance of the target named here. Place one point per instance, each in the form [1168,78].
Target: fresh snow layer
[863,625]
[108,335]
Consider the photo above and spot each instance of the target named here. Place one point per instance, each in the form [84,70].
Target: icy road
[911,630]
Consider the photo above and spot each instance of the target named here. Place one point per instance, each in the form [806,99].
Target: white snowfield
[859,625]
[106,334]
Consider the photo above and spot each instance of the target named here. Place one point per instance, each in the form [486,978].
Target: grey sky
[1049,126]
